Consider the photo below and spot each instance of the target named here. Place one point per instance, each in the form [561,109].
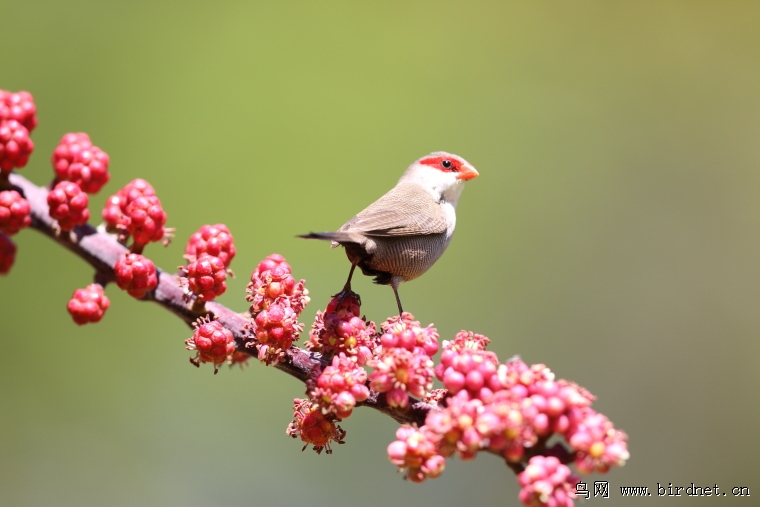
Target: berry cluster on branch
[509,408]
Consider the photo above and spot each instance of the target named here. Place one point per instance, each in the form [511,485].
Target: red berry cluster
[18,117]
[276,302]
[115,210]
[314,427]
[88,304]
[136,211]
[213,240]
[209,253]
[341,330]
[213,342]
[77,159]
[18,106]
[68,204]
[14,212]
[205,277]
[512,409]
[82,168]
[403,363]
[146,219]
[135,274]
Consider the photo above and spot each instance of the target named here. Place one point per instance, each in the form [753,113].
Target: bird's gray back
[404,211]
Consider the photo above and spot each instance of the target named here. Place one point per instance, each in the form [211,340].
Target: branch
[101,250]
[509,409]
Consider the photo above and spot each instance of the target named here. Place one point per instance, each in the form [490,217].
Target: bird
[399,237]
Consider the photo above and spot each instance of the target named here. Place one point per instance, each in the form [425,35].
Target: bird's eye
[446,164]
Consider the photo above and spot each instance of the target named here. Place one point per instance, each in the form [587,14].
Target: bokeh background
[614,233]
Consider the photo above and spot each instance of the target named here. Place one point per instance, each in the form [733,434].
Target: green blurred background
[614,232]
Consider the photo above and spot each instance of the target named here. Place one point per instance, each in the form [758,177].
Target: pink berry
[14,212]
[135,274]
[88,304]
[68,204]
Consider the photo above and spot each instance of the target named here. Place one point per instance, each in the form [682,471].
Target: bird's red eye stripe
[438,163]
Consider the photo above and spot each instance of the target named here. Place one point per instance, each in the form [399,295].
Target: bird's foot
[341,296]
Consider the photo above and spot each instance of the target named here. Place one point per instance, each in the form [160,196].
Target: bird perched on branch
[398,237]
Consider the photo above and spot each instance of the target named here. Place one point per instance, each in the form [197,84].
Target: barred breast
[404,256]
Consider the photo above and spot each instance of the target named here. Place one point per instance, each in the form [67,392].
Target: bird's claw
[345,293]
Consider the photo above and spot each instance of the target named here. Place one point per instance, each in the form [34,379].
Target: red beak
[467,172]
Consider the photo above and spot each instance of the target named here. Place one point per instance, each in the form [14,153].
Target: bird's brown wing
[405,210]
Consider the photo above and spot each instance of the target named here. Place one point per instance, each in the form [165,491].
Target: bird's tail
[336,237]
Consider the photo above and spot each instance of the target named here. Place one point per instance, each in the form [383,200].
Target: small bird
[398,237]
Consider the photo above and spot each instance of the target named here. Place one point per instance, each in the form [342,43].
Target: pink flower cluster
[334,390]
[512,409]
[598,444]
[276,302]
[338,387]
[466,366]
[403,364]
[416,451]
[547,482]
[213,342]
[314,427]
[341,330]
[18,117]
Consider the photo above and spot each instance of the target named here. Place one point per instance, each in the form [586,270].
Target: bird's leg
[346,288]
[395,281]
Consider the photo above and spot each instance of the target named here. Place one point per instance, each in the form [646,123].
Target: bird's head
[442,174]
